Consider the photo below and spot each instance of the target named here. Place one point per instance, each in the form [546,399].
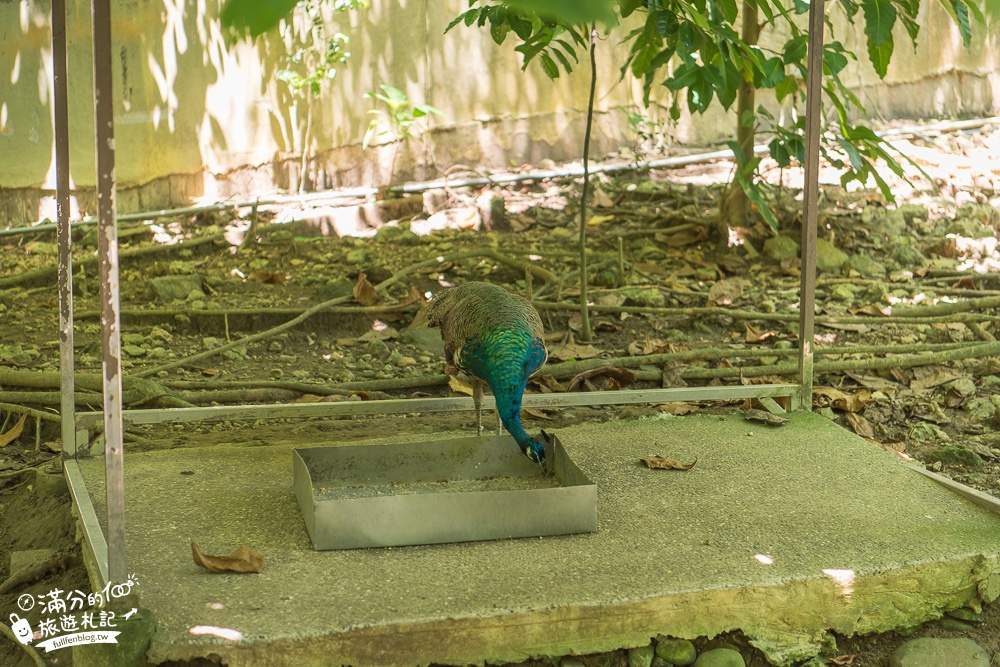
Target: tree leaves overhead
[254,17]
[880,17]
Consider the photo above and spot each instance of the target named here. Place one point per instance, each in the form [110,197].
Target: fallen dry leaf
[459,386]
[764,417]
[541,413]
[602,379]
[243,560]
[11,435]
[660,463]
[845,660]
[755,335]
[364,292]
[725,292]
[860,425]
[832,397]
[574,351]
[673,374]
[268,277]
[925,377]
[870,309]
[678,409]
[547,384]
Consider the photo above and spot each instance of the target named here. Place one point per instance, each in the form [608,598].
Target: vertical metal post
[810,200]
[60,123]
[110,310]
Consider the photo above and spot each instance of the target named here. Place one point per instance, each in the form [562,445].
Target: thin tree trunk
[735,208]
[585,333]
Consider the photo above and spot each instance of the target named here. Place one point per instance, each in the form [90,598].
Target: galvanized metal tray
[453,490]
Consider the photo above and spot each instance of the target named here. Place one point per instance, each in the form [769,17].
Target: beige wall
[195,116]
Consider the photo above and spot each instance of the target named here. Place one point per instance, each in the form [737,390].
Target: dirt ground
[653,245]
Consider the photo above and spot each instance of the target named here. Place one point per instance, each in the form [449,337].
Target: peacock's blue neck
[505,359]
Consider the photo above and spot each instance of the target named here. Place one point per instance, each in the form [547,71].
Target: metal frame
[110,554]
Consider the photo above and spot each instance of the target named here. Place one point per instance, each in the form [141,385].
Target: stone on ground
[676,651]
[939,652]
[720,657]
[828,257]
[640,657]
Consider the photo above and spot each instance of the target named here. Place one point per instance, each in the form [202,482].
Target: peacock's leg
[499,424]
[477,399]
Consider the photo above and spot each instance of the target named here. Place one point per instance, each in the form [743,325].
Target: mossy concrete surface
[782,532]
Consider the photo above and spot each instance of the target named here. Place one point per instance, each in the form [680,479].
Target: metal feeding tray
[454,490]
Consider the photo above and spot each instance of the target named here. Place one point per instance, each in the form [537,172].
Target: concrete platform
[783,533]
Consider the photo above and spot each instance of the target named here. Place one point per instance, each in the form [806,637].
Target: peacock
[495,337]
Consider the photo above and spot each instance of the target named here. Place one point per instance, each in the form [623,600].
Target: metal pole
[810,197]
[60,121]
[110,309]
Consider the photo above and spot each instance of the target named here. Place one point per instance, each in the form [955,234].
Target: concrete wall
[196,116]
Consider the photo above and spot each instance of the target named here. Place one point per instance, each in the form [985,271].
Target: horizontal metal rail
[88,420]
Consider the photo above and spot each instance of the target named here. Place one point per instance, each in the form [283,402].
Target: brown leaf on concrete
[845,660]
[677,408]
[661,463]
[11,435]
[243,560]
[764,417]
[364,292]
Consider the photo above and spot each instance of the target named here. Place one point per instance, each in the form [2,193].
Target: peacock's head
[536,451]
[536,448]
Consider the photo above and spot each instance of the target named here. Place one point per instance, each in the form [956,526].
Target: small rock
[133,338]
[158,353]
[377,349]
[957,455]
[907,256]
[275,346]
[435,200]
[571,661]
[956,625]
[720,657]
[388,232]
[676,651]
[643,296]
[781,247]
[640,657]
[356,256]
[134,350]
[48,484]
[842,292]
[939,652]
[966,614]
[865,266]
[424,338]
[911,212]
[176,288]
[828,257]
[406,362]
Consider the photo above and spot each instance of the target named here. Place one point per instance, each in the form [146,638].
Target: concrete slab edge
[789,620]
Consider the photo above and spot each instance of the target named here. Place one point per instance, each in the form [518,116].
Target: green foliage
[400,115]
[710,61]
[316,52]
[255,17]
